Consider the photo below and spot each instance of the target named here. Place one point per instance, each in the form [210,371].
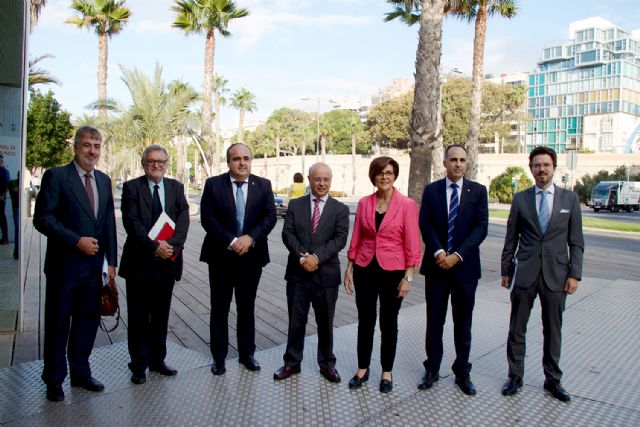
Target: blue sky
[290,49]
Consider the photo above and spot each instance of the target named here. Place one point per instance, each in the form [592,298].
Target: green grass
[605,224]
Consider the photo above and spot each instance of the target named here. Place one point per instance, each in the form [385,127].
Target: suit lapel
[78,189]
[530,199]
[558,197]
[326,212]
[441,195]
[228,190]
[145,193]
[169,196]
[103,190]
[392,211]
[252,191]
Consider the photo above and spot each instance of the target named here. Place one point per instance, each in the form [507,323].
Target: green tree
[243,101]
[388,123]
[207,17]
[501,187]
[338,126]
[49,133]
[478,11]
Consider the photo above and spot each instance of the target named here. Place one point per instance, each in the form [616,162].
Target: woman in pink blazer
[384,251]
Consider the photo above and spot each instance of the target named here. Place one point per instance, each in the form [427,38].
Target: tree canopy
[501,187]
[49,132]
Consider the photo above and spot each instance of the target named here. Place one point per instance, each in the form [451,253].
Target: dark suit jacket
[63,213]
[557,254]
[328,240]
[218,217]
[138,252]
[470,227]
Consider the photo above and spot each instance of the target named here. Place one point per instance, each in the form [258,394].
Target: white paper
[105,272]
[157,227]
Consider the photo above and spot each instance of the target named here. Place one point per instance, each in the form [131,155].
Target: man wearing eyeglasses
[151,266]
[237,212]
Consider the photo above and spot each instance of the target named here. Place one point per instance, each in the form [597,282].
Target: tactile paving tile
[23,392]
[594,346]
[9,278]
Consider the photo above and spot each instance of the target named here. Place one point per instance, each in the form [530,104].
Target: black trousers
[148,305]
[71,321]
[3,220]
[239,278]
[372,282]
[463,298]
[300,297]
[552,304]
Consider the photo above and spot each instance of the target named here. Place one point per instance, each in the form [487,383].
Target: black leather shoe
[386,386]
[138,378]
[511,387]
[428,380]
[557,391]
[250,363]
[163,369]
[90,384]
[285,372]
[356,381]
[330,374]
[55,393]
[465,384]
[218,369]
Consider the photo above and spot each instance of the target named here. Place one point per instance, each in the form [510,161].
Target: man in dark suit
[454,217]
[543,249]
[238,212]
[74,209]
[315,230]
[151,266]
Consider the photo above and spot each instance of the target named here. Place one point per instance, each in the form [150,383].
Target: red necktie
[316,215]
[89,188]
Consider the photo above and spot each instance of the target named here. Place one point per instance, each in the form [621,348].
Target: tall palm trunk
[302,153]
[423,125]
[103,60]
[216,161]
[476,91]
[241,127]
[323,148]
[209,54]
[353,164]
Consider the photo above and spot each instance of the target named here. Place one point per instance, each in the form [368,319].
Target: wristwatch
[408,278]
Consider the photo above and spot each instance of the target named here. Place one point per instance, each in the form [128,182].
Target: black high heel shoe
[356,381]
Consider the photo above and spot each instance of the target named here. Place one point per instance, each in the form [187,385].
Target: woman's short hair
[297,177]
[378,164]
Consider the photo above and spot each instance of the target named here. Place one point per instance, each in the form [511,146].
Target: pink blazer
[397,244]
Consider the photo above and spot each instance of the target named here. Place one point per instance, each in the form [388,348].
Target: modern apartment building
[398,87]
[585,93]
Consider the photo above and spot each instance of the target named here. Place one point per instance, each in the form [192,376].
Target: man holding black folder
[151,264]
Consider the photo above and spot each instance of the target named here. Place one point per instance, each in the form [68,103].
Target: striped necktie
[453,213]
[239,208]
[316,215]
[543,211]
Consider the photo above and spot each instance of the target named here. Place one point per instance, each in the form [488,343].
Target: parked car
[281,205]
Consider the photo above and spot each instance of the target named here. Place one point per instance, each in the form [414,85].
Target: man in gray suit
[315,230]
[544,232]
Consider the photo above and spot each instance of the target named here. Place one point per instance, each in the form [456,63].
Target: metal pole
[318,130]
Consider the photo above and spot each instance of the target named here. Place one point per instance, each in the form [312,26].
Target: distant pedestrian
[4,185]
[297,188]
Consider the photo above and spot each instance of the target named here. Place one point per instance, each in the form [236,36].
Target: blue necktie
[543,211]
[239,208]
[453,213]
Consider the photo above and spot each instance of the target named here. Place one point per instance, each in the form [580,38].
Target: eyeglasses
[387,174]
[155,162]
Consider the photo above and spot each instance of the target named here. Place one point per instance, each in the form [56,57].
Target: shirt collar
[83,172]
[323,198]
[458,182]
[238,180]
[549,190]
[152,184]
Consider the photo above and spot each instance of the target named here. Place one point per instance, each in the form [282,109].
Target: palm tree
[219,87]
[39,76]
[107,18]
[423,125]
[207,16]
[244,101]
[35,8]
[478,11]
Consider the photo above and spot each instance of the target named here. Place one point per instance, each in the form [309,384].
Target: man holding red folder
[155,215]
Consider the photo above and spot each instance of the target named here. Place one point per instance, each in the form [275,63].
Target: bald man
[315,230]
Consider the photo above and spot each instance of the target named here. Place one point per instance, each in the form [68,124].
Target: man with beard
[542,255]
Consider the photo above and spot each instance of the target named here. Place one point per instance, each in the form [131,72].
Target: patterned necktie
[543,211]
[89,188]
[316,215]
[453,213]
[156,206]
[239,208]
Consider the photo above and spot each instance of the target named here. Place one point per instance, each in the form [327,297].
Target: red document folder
[163,229]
